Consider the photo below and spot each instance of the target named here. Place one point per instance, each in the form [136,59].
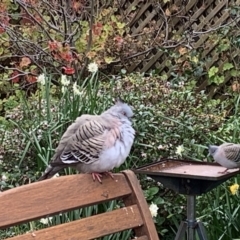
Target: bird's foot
[109,174]
[225,171]
[98,176]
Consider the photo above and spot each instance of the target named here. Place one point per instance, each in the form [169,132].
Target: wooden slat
[56,195]
[195,15]
[142,9]
[146,20]
[91,227]
[148,227]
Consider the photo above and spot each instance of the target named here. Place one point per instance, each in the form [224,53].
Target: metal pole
[191,216]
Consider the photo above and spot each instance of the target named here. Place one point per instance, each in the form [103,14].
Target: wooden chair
[57,195]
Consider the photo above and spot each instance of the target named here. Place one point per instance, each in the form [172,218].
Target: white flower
[56,175]
[143,154]
[76,90]
[149,178]
[153,209]
[92,67]
[159,184]
[161,147]
[181,84]
[64,89]
[4,177]
[64,80]
[180,150]
[46,220]
[41,79]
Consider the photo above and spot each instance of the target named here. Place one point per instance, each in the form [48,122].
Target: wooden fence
[170,25]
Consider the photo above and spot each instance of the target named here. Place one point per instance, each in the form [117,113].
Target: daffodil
[56,175]
[76,89]
[41,79]
[64,80]
[234,188]
[180,150]
[4,177]
[46,221]
[64,89]
[92,67]
[153,209]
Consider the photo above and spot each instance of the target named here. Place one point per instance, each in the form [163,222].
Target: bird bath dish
[190,178]
[187,176]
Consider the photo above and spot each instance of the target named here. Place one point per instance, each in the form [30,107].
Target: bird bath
[190,178]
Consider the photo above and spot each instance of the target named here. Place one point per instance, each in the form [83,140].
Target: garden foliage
[46,81]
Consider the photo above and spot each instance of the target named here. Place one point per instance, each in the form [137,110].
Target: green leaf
[227,66]
[153,190]
[164,77]
[234,73]
[212,71]
[219,79]
[14,6]
[120,25]
[216,79]
[224,47]
[159,201]
[108,59]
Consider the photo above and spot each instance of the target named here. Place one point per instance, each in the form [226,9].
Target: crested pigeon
[227,155]
[95,143]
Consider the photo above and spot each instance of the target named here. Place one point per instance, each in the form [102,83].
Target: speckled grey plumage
[227,155]
[95,143]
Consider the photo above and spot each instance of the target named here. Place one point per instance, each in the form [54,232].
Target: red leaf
[67,56]
[15,77]
[118,39]
[76,5]
[2,30]
[25,61]
[68,70]
[97,28]
[4,20]
[53,45]
[38,17]
[31,78]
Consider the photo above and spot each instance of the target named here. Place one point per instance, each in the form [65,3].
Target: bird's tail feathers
[50,172]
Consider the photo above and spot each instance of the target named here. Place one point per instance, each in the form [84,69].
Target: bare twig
[34,19]
[215,28]
[63,9]
[90,37]
[166,23]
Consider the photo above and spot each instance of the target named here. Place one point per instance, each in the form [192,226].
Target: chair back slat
[57,195]
[90,227]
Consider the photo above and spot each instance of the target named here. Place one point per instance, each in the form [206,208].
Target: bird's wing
[90,138]
[232,152]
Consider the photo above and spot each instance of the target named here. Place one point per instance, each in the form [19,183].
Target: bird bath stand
[190,178]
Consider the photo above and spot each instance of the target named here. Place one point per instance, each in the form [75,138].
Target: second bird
[95,143]
[227,155]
